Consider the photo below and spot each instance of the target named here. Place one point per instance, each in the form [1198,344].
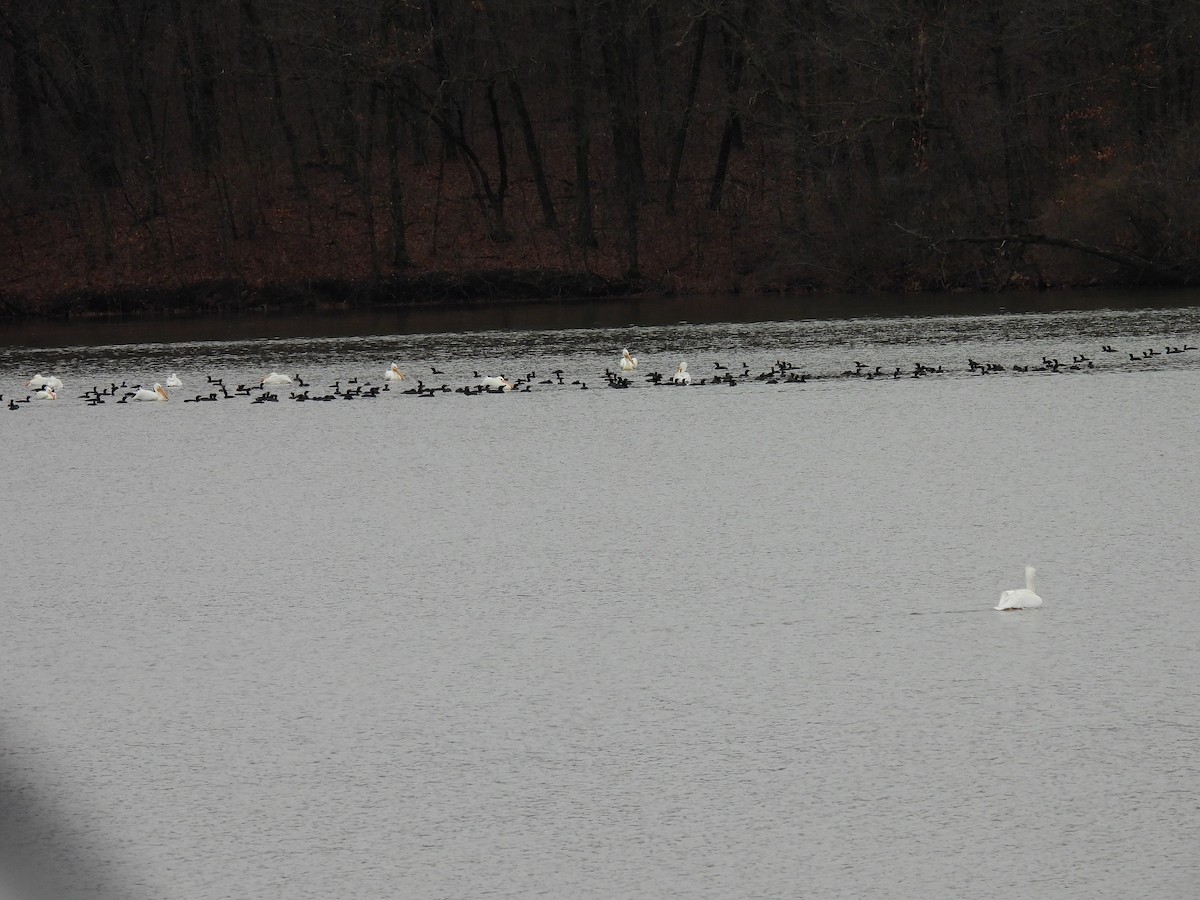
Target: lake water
[704,642]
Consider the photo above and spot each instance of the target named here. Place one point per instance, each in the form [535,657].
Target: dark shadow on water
[568,314]
[43,854]
[951,612]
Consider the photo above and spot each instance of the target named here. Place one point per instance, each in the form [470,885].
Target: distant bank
[232,296]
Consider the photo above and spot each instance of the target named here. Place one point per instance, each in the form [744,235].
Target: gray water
[701,642]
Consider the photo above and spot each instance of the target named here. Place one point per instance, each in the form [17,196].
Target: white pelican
[275,378]
[394,374]
[496,381]
[1022,598]
[174,381]
[44,381]
[626,361]
[46,393]
[681,375]
[159,393]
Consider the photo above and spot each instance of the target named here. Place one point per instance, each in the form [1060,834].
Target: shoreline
[232,296]
[220,297]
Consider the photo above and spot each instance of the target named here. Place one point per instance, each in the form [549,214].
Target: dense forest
[210,150]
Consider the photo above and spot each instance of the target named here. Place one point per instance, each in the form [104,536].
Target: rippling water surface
[710,642]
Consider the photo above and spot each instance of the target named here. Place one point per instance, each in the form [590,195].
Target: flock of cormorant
[48,387]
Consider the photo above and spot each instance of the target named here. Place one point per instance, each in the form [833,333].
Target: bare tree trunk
[734,60]
[198,76]
[448,110]
[536,166]
[136,80]
[365,183]
[585,233]
[90,113]
[289,133]
[524,121]
[26,102]
[722,167]
[346,131]
[619,64]
[689,104]
[400,258]
[620,78]
[500,230]
[1016,183]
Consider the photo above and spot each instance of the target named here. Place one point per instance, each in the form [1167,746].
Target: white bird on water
[681,375]
[174,381]
[1022,598]
[275,378]
[627,362]
[46,393]
[494,382]
[394,374]
[44,381]
[159,393]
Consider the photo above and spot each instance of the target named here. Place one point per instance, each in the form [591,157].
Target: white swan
[496,381]
[159,393]
[394,374]
[275,378]
[46,393]
[174,381]
[626,361]
[681,375]
[1022,598]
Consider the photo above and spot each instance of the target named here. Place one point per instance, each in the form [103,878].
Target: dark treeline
[695,145]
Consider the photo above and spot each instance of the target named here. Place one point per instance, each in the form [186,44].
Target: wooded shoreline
[228,296]
[222,297]
[188,157]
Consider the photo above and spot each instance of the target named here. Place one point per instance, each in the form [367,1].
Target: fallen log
[1157,271]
